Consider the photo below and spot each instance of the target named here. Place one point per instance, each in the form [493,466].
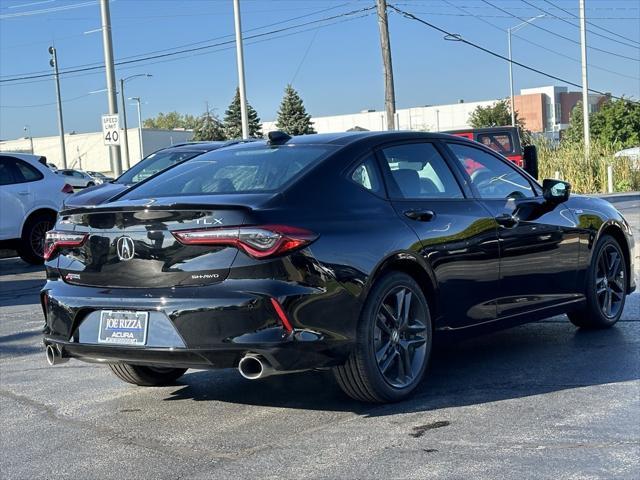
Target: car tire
[392,339]
[606,287]
[146,376]
[31,247]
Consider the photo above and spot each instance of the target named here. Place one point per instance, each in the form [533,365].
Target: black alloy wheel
[606,287]
[610,280]
[399,337]
[393,342]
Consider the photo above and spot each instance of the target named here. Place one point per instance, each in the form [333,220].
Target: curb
[620,197]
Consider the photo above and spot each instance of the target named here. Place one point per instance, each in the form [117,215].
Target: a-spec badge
[125,248]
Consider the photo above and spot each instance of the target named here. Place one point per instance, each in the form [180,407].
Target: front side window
[491,177]
[366,175]
[419,171]
[234,170]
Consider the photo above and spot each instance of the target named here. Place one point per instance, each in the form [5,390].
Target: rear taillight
[56,240]
[67,188]
[258,241]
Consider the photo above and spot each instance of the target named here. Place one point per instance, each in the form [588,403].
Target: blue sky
[336,65]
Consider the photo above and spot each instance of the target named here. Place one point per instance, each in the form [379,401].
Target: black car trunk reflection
[137,249]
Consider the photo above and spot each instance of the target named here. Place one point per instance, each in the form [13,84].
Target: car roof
[24,156]
[205,146]
[348,138]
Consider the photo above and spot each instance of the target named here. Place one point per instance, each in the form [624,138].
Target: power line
[61,8]
[459,38]
[546,12]
[230,35]
[593,24]
[78,69]
[561,36]
[531,42]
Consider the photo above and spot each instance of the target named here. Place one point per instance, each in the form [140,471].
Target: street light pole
[510,30]
[54,63]
[585,85]
[125,132]
[138,101]
[107,44]
[27,131]
[240,58]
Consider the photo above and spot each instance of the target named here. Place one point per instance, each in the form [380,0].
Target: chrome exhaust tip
[253,367]
[54,356]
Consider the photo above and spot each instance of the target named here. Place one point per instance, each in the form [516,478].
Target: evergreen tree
[233,120]
[208,127]
[292,116]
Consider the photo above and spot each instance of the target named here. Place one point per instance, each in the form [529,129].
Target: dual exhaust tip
[54,356]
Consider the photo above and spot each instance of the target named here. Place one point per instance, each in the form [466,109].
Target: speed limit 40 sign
[111,129]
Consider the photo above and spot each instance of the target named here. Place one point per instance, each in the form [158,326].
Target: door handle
[506,220]
[23,193]
[420,215]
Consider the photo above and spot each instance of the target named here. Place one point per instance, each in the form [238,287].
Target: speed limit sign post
[111,129]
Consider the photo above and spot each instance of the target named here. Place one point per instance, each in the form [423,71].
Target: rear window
[234,170]
[499,142]
[154,163]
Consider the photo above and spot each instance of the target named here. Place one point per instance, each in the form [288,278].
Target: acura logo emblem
[125,248]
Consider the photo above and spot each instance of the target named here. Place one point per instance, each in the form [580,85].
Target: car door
[458,237]
[16,195]
[539,241]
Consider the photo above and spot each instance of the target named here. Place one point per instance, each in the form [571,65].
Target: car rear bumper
[206,327]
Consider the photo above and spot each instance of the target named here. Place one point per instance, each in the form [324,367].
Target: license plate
[123,328]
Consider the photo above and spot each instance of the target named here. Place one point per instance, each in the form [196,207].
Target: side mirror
[530,160]
[556,191]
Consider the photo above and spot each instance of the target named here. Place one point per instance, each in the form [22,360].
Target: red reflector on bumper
[281,315]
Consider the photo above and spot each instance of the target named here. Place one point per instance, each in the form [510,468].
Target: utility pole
[27,131]
[107,44]
[54,63]
[585,85]
[240,59]
[389,92]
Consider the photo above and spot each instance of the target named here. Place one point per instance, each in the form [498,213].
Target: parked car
[99,177]
[506,141]
[147,167]
[344,251]
[77,178]
[30,197]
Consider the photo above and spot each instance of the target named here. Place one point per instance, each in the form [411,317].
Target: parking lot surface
[543,400]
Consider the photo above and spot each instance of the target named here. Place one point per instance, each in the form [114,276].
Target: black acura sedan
[344,251]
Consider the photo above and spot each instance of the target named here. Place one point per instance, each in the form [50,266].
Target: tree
[292,116]
[616,123]
[208,127]
[496,115]
[171,121]
[233,120]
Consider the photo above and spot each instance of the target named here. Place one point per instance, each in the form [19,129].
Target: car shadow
[20,292]
[529,360]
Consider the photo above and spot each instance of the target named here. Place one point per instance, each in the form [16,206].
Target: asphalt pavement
[543,400]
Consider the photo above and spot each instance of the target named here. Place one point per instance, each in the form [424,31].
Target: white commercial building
[87,151]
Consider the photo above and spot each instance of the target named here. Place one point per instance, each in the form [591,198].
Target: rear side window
[366,175]
[234,170]
[29,173]
[419,171]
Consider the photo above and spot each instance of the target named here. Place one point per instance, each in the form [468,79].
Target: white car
[77,178]
[30,197]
